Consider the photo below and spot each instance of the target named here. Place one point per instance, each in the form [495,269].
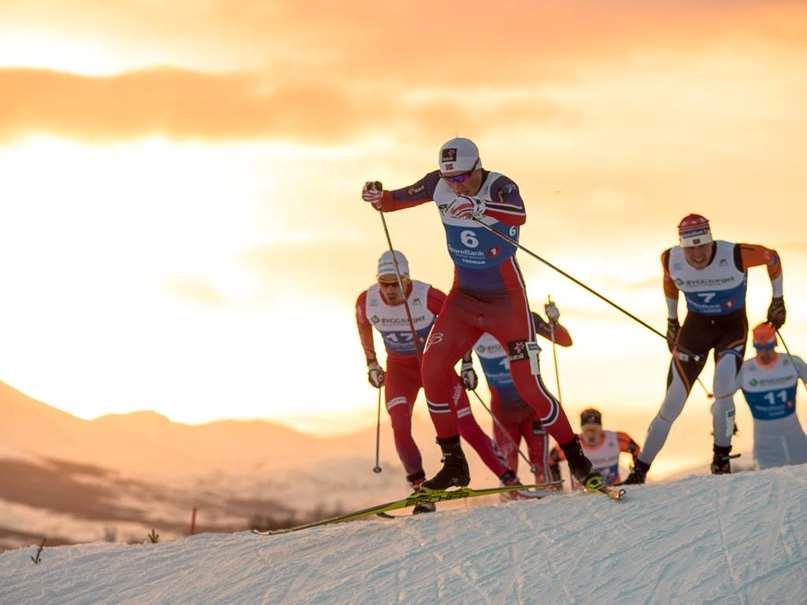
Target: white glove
[552,312]
[469,377]
[375,374]
[465,206]
[372,193]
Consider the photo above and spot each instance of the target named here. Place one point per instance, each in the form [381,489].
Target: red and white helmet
[693,230]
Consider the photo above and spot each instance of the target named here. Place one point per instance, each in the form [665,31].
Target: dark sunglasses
[461,177]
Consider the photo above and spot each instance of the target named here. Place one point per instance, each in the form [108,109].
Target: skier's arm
[411,196]
[365,329]
[752,255]
[506,205]
[543,328]
[670,289]
[628,445]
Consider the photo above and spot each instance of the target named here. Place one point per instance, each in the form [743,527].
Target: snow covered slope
[731,539]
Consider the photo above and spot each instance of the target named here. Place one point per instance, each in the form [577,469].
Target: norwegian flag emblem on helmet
[694,230]
[449,154]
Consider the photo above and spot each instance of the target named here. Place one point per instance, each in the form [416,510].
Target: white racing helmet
[459,155]
[386,265]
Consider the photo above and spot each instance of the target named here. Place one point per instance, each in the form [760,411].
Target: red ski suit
[488,294]
[403,379]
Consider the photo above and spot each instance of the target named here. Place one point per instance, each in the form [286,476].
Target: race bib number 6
[469,239]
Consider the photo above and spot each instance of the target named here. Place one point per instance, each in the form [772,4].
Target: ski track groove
[455,570]
[548,560]
[720,496]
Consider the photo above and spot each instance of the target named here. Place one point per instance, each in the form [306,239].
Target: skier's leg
[729,353]
[400,389]
[448,341]
[505,432]
[537,447]
[510,322]
[470,430]
[450,338]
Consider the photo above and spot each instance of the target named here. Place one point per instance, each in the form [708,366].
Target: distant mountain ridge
[148,442]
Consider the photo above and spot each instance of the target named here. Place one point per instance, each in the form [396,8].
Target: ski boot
[637,475]
[415,480]
[509,478]
[455,471]
[580,466]
[721,461]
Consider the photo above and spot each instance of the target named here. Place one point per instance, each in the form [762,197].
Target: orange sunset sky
[180,221]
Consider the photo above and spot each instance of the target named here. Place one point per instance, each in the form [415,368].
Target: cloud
[419,43]
[172,102]
[180,103]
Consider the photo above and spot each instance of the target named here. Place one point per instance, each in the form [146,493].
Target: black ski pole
[377,467]
[787,350]
[526,250]
[554,353]
[503,429]
[378,187]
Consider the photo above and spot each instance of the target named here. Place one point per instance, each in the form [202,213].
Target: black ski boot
[638,474]
[415,480]
[721,461]
[580,466]
[455,471]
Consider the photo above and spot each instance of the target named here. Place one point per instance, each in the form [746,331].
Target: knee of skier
[725,376]
[436,372]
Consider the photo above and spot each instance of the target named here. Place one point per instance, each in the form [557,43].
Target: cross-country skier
[382,306]
[602,447]
[769,383]
[488,295]
[713,277]
[514,418]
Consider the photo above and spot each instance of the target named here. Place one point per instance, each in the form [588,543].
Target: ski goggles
[462,176]
[765,346]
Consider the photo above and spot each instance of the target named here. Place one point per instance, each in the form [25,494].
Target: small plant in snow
[37,558]
[153,536]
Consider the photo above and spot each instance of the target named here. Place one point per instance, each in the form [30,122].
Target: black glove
[375,374]
[777,312]
[673,327]
[469,377]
